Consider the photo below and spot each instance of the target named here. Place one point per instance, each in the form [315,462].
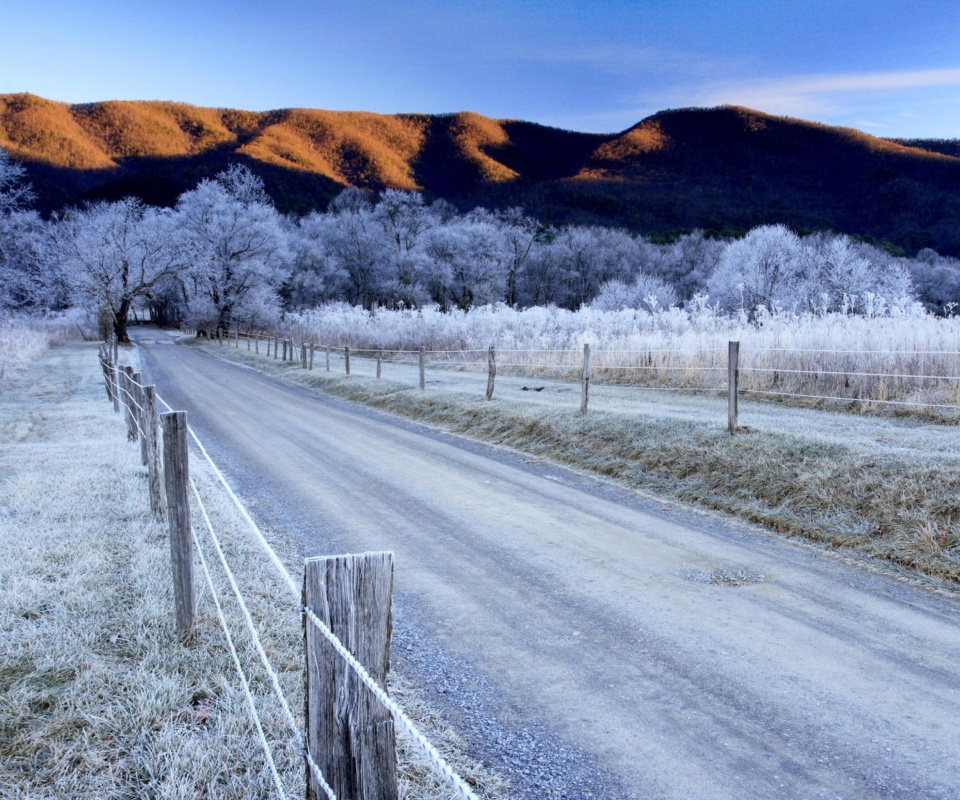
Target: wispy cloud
[819,93]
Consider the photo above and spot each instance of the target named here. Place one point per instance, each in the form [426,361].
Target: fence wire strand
[281,791]
[255,638]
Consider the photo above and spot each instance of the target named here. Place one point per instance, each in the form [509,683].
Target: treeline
[224,255]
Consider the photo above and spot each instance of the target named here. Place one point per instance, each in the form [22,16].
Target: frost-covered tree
[404,220]
[470,260]
[112,254]
[521,234]
[237,247]
[761,269]
[937,280]
[645,292]
[16,194]
[23,284]
[27,280]
[316,276]
[350,238]
[841,277]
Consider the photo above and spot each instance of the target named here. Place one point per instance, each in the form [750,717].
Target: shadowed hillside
[724,169]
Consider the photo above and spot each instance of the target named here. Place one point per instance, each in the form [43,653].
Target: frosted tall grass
[905,358]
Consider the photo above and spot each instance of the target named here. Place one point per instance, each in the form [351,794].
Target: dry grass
[99,696]
[898,508]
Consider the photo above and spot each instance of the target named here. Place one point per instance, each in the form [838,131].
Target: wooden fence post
[256,345]
[303,355]
[176,481]
[346,359]
[733,385]
[276,346]
[585,397]
[115,377]
[327,351]
[236,338]
[154,468]
[491,371]
[107,369]
[350,735]
[379,362]
[312,347]
[126,385]
[141,427]
[423,367]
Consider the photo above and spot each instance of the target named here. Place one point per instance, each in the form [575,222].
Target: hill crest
[725,167]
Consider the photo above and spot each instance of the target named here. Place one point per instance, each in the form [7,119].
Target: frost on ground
[880,486]
[99,696]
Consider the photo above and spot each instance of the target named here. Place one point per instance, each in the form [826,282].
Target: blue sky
[889,68]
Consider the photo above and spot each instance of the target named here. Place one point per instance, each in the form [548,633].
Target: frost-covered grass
[899,359]
[24,338]
[99,696]
[881,487]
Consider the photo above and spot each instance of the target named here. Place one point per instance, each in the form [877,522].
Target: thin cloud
[812,93]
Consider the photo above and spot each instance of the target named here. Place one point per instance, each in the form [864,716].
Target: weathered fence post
[491,371]
[256,345]
[236,338]
[176,481]
[423,367]
[312,348]
[379,362]
[303,355]
[346,359]
[350,735]
[126,384]
[585,397]
[327,350]
[107,369]
[286,343]
[733,384]
[276,347]
[154,469]
[141,429]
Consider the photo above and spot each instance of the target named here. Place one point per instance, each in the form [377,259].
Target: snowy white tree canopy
[225,256]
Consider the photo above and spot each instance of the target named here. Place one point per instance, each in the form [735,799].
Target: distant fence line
[925,382]
[344,687]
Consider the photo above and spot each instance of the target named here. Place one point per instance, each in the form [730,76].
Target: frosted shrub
[20,343]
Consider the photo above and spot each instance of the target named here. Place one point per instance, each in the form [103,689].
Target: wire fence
[127,388]
[922,381]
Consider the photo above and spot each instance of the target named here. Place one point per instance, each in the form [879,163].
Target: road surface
[589,642]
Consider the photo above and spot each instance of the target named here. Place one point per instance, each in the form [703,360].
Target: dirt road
[590,642]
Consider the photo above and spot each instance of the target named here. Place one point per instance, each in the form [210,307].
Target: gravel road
[587,641]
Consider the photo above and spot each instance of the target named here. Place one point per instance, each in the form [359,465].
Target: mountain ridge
[726,168]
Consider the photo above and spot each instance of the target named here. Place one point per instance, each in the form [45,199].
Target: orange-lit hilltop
[724,168]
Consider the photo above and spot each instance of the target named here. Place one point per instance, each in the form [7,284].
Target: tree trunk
[120,321]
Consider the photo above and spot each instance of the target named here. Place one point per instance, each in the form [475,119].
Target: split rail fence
[348,739]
